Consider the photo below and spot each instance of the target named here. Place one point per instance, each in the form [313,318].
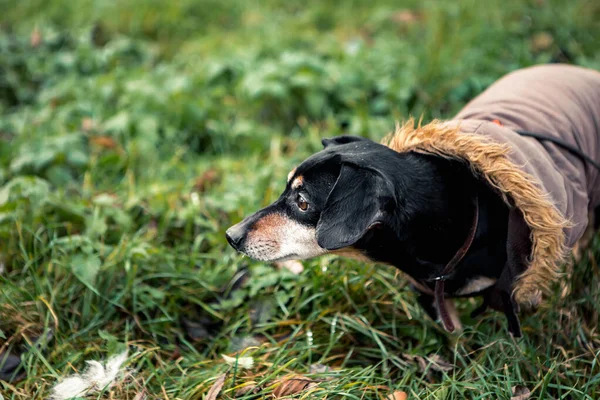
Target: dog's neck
[432,220]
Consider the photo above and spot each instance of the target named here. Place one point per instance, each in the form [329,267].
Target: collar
[450,267]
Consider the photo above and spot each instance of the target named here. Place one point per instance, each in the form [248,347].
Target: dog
[480,205]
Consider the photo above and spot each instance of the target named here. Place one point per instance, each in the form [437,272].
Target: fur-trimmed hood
[553,188]
[490,161]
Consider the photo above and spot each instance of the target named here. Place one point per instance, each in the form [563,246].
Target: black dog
[488,203]
[414,211]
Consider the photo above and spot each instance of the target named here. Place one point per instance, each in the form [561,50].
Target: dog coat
[554,188]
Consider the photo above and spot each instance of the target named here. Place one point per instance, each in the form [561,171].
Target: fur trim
[489,159]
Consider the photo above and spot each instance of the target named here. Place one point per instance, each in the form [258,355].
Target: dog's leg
[454,316]
[585,241]
[427,302]
[518,249]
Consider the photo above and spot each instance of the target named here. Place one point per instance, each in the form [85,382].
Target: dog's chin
[268,258]
[272,258]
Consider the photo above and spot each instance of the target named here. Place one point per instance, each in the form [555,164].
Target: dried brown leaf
[87,124]
[406,17]
[398,395]
[541,41]
[36,38]
[520,392]
[439,364]
[216,387]
[141,395]
[103,141]
[249,387]
[208,178]
[292,384]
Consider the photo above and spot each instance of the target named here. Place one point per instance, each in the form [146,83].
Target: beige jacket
[553,188]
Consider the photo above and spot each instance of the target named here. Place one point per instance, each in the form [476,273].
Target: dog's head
[330,202]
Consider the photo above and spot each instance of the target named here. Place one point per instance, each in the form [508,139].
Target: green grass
[132,134]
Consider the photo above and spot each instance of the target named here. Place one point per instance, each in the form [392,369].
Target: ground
[132,134]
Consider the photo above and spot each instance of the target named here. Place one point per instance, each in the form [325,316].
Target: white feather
[95,378]
[242,362]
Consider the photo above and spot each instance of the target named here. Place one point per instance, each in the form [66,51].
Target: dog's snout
[235,236]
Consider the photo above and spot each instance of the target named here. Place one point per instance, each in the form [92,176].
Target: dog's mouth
[289,257]
[275,238]
[267,251]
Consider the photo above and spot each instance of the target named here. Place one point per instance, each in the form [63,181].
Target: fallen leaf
[175,354]
[216,387]
[208,178]
[249,387]
[87,124]
[141,395]
[291,384]
[242,362]
[437,363]
[434,362]
[406,17]
[105,142]
[398,395]
[541,41]
[520,392]
[36,38]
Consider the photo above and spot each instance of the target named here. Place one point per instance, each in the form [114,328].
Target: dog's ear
[358,201]
[338,140]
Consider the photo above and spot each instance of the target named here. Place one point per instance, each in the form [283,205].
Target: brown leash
[449,268]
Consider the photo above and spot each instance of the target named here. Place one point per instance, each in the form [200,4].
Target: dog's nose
[235,236]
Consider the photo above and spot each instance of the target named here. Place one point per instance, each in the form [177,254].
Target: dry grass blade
[398,395]
[249,387]
[439,364]
[520,392]
[216,387]
[434,363]
[292,384]
[141,396]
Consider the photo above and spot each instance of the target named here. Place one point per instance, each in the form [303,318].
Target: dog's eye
[302,203]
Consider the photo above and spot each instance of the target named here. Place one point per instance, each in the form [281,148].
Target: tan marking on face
[267,226]
[298,182]
[291,174]
[350,252]
[277,237]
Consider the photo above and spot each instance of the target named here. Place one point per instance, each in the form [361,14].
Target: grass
[134,133]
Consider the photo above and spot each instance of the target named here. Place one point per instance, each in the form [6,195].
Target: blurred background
[133,133]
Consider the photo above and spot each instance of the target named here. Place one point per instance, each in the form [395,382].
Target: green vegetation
[133,133]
